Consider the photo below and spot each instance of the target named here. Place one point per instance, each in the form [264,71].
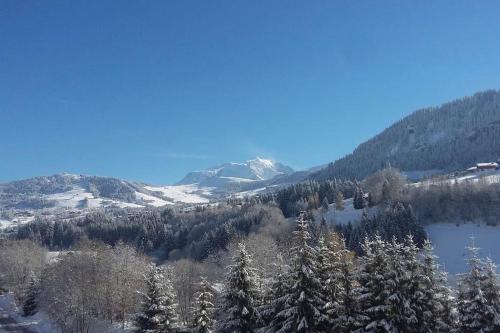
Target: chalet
[483,167]
[486,166]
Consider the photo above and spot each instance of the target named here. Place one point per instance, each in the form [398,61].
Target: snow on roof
[489,164]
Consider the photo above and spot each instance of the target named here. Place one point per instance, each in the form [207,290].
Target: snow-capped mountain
[62,193]
[228,174]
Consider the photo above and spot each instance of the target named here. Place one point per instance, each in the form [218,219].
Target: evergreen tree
[30,304]
[474,313]
[158,308]
[435,311]
[339,201]
[238,311]
[491,292]
[276,299]
[345,311]
[375,287]
[169,319]
[304,301]
[204,308]
[359,201]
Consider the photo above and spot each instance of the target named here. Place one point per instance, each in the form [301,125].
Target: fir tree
[158,309]
[491,292]
[339,201]
[276,299]
[204,308]
[474,312]
[239,302]
[375,287]
[435,313]
[304,301]
[345,311]
[30,304]
[359,201]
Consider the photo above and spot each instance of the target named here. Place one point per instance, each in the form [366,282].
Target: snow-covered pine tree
[345,311]
[275,300]
[409,285]
[375,287]
[204,308]
[339,201]
[474,312]
[169,319]
[491,292]
[30,304]
[304,301]
[435,310]
[239,302]
[359,201]
[158,309]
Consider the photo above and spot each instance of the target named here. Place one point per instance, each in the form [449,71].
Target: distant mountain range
[451,137]
[80,192]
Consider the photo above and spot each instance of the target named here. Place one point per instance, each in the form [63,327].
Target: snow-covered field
[348,214]
[450,241]
[191,193]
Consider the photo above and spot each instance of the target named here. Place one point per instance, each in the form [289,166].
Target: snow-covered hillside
[450,241]
[488,177]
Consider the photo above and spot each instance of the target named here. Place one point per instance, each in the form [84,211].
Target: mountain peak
[229,173]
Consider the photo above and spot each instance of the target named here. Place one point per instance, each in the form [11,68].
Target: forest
[305,283]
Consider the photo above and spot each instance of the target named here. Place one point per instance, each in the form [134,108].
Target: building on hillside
[483,167]
[487,166]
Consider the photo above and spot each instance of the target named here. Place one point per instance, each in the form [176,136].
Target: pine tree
[238,311]
[359,201]
[304,301]
[169,318]
[276,298]
[345,311]
[473,309]
[339,201]
[204,308]
[30,304]
[375,287]
[158,308]
[435,313]
[491,292]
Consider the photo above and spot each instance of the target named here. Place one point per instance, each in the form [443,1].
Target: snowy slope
[346,215]
[183,193]
[489,177]
[450,241]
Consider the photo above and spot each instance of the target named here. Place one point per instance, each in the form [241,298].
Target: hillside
[450,137]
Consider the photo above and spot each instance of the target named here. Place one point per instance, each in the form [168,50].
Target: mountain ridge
[452,136]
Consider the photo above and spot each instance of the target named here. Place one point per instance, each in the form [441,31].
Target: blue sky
[149,90]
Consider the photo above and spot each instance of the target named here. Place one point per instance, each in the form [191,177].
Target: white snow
[6,224]
[41,323]
[489,177]
[191,193]
[450,241]
[71,198]
[348,214]
[151,200]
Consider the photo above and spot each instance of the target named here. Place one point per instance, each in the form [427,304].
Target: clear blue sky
[149,90]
